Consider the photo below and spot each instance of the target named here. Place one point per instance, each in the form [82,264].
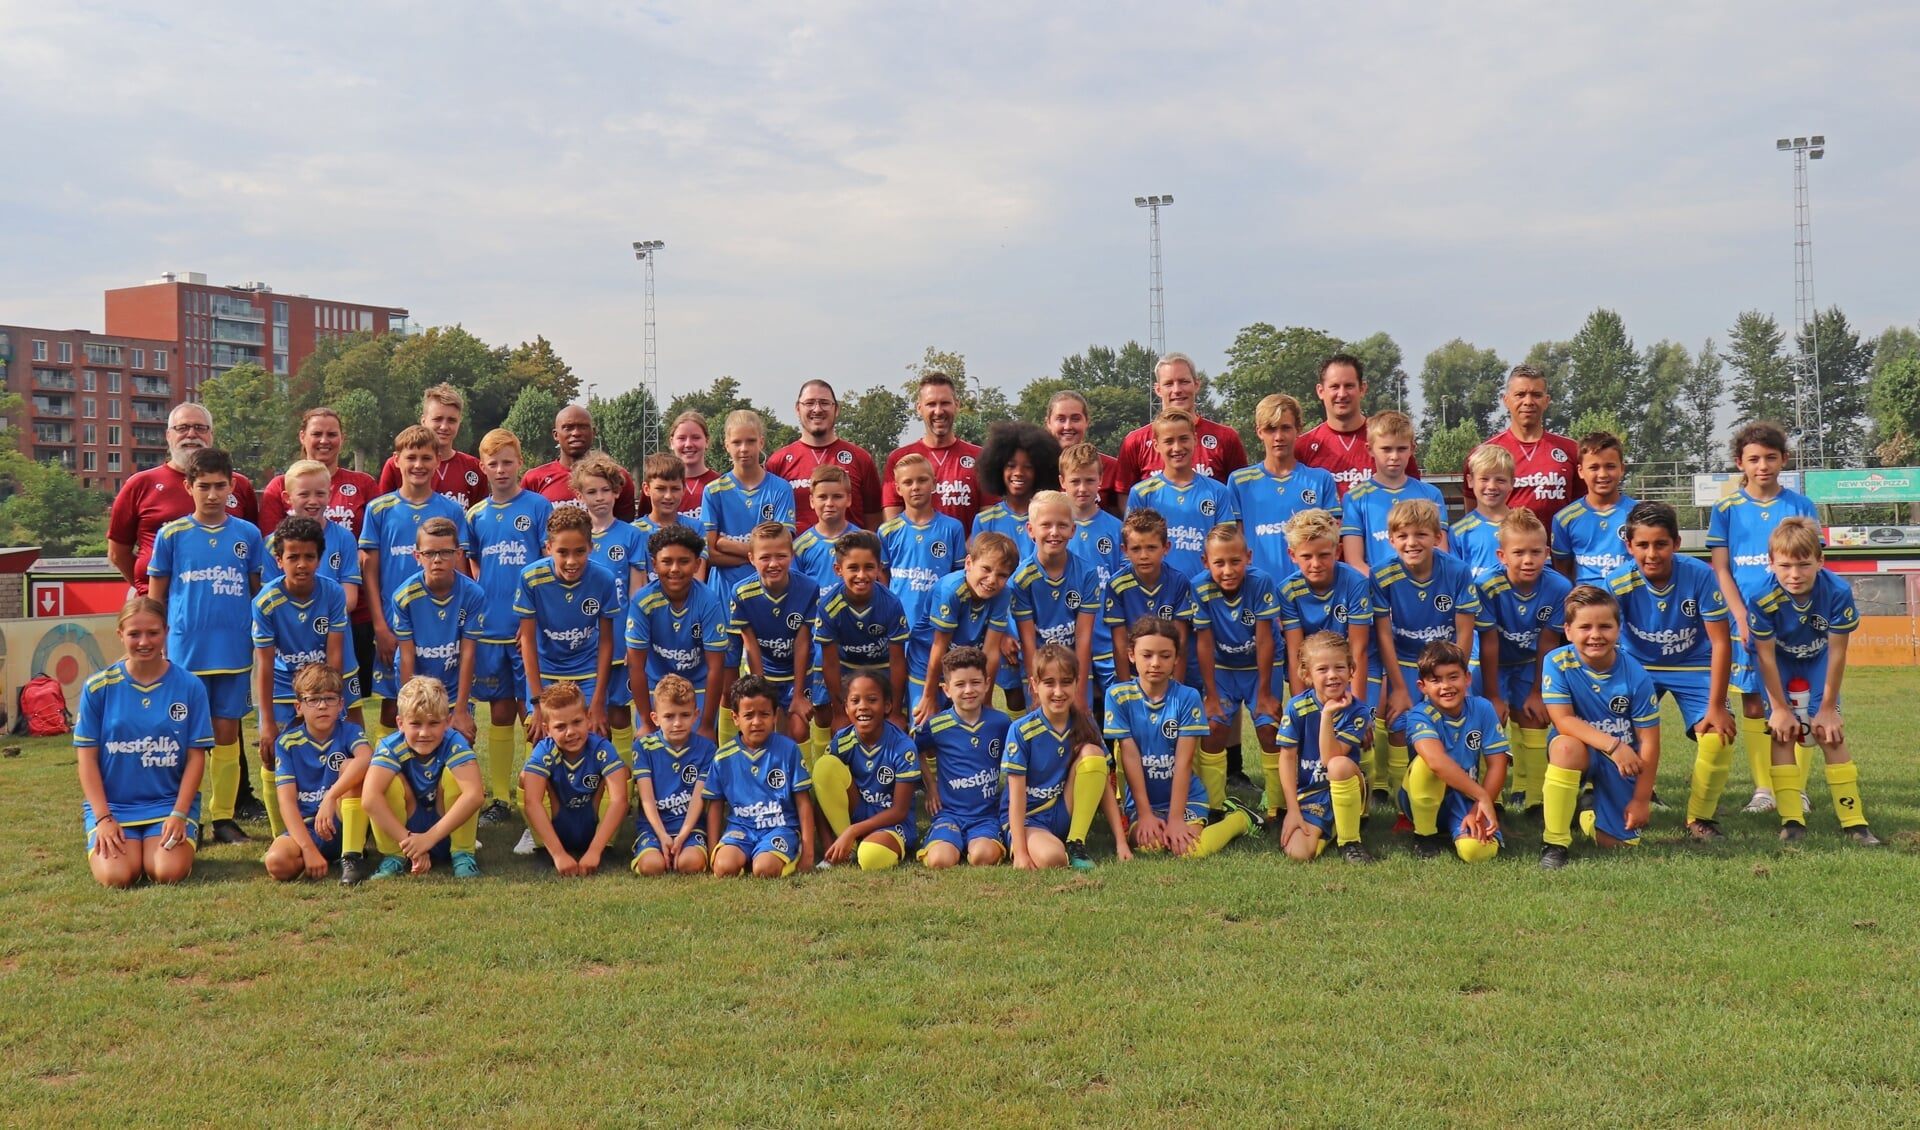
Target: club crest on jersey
[938,550]
[1545,614]
[780,844]
[766,512]
[473,478]
[1207,507]
[1340,613]
[1817,622]
[1246,617]
[1443,603]
[697,633]
[1689,607]
[884,775]
[617,553]
[794,620]
[1310,496]
[1073,601]
[233,502]
[689,774]
[348,490]
[845,458]
[1170,729]
[1104,545]
[1209,442]
[333,561]
[876,629]
[776,778]
[523,523]
[966,462]
[993,749]
[1165,612]
[1619,704]
[177,712]
[1474,738]
[240,550]
[321,624]
[335,760]
[590,781]
[1559,456]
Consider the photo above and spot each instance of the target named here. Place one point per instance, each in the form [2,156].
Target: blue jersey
[1233,619]
[420,773]
[1098,542]
[1128,599]
[437,624]
[1475,539]
[732,510]
[1423,611]
[677,637]
[1593,538]
[1475,734]
[575,780]
[620,549]
[142,733]
[1742,525]
[210,572]
[675,773]
[507,537]
[966,762]
[1156,728]
[1364,515]
[1519,616]
[1043,756]
[1799,628]
[1665,629]
[646,527]
[567,618]
[774,621]
[1300,729]
[1266,502]
[1000,519]
[954,610]
[865,636]
[1616,702]
[392,524]
[298,630]
[339,558]
[814,555]
[918,556]
[1191,511]
[1347,601]
[758,786]
[1053,604]
[877,768]
[312,765]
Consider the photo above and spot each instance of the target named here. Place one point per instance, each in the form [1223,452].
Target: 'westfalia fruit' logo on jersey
[177,712]
[590,607]
[523,523]
[1619,704]
[1104,546]
[1443,603]
[1207,507]
[884,775]
[938,550]
[776,778]
[1689,608]
[321,624]
[617,553]
[473,478]
[1170,729]
[1474,739]
[845,458]
[794,620]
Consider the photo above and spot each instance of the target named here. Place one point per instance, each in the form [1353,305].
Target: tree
[14,466]
[251,415]
[1387,381]
[1130,366]
[360,416]
[531,419]
[937,360]
[55,512]
[450,355]
[1263,360]
[1895,344]
[1606,370]
[1696,431]
[1459,382]
[620,427]
[1602,420]
[1896,411]
[989,406]
[715,403]
[1845,366]
[873,419]
[1658,410]
[1446,450]
[388,406]
[1762,378]
[1555,360]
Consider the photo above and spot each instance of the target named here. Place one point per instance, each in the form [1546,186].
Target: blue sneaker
[391,867]
[465,866]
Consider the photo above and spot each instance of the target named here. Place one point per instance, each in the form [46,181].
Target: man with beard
[151,498]
[819,413]
[956,479]
[1546,467]
[1339,445]
[573,433]
[1217,450]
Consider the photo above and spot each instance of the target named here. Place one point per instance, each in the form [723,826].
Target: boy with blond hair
[1421,597]
[1269,493]
[1363,525]
[1476,536]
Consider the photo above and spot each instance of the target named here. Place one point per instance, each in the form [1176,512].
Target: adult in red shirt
[459,475]
[322,437]
[1339,446]
[1546,467]
[574,435]
[956,480]
[151,498]
[689,439]
[1067,421]
[819,412]
[1219,453]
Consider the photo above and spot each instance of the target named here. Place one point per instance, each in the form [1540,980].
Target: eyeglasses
[190,429]
[818,404]
[319,699]
[434,554]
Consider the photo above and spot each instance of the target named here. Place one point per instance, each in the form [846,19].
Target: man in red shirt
[1339,446]
[1067,421]
[459,476]
[321,438]
[956,481]
[819,412]
[1218,453]
[573,433]
[1546,467]
[151,498]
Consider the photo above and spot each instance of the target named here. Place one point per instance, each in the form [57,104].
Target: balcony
[238,309]
[149,437]
[148,414]
[58,380]
[99,354]
[52,406]
[226,357]
[144,461]
[237,332]
[60,455]
[152,386]
[53,433]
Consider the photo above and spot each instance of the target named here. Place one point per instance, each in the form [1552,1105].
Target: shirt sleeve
[400,617]
[714,628]
[459,752]
[161,563]
[262,624]
[639,628]
[1842,614]
[1193,717]
[1116,726]
[123,521]
[1553,683]
[1717,527]
[370,529]
[1354,727]
[92,704]
[1420,727]
[257,552]
[522,596]
[1560,544]
[889,495]
[539,761]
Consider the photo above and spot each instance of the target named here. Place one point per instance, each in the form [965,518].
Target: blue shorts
[574,827]
[1691,691]
[1009,677]
[1054,819]
[329,848]
[1411,676]
[1237,691]
[497,671]
[782,692]
[619,688]
[1746,668]
[586,683]
[147,828]
[816,681]
[646,841]
[1516,686]
[424,817]
[1097,686]
[1612,792]
[386,679]
[1815,674]
[285,712]
[354,693]
[1196,809]
[1316,808]
[916,688]
[783,841]
[959,833]
[228,696]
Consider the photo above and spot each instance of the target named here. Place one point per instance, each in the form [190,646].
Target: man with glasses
[819,445]
[151,498]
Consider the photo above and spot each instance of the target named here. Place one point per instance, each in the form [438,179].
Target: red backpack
[43,707]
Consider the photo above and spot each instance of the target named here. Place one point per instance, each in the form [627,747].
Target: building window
[90,436]
[280,313]
[39,351]
[316,317]
[113,460]
[280,363]
[280,337]
[113,435]
[113,409]
[88,461]
[87,409]
[159,359]
[87,379]
[66,353]
[113,380]
[139,358]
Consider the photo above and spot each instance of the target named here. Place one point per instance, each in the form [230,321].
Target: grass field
[1673,985]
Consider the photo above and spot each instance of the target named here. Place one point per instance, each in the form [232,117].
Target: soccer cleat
[526,846]
[1255,821]
[1238,781]
[228,832]
[1705,831]
[1402,825]
[1517,804]
[1657,804]
[353,868]
[250,810]
[1863,836]
[1381,799]
[496,813]
[1428,847]
[465,866]
[1792,832]
[1762,801]
[392,867]
[823,865]
[1553,857]
[1355,852]
[1077,857]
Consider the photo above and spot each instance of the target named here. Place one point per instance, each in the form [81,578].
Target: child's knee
[1341,769]
[941,856]
[1567,753]
[119,873]
[170,866]
[768,865]
[691,861]
[729,861]
[983,853]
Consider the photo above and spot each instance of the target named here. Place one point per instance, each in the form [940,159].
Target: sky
[842,185]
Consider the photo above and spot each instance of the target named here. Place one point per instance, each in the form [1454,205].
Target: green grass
[1730,986]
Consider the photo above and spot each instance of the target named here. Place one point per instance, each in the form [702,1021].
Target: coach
[1546,467]
[322,437]
[1218,453]
[956,477]
[151,498]
[818,410]
[574,436]
[1338,446]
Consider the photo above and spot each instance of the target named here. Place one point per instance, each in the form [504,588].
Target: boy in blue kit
[1673,621]
[575,784]
[387,539]
[1606,731]
[317,765]
[1454,734]
[1053,596]
[309,490]
[1321,736]
[1099,543]
[676,626]
[860,625]
[1364,537]
[1325,594]
[621,549]
[667,766]
[969,608]
[1475,538]
[772,624]
[404,793]
[921,545]
[1235,610]
[1422,597]
[1800,623]
[507,530]
[1191,503]
[1057,771]
[666,488]
[1268,494]
[864,786]
[960,749]
[1522,617]
[733,504]
[1589,533]
[761,778]
[568,607]
[300,618]
[206,570]
[831,491]
[1018,462]
[435,618]
[1737,534]
[1145,588]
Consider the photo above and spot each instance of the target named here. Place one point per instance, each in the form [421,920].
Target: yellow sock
[822,741]
[1373,760]
[463,837]
[397,801]
[1425,792]
[1588,822]
[1349,805]
[1211,768]
[1559,796]
[831,780]
[1396,766]
[221,786]
[1089,791]
[1803,760]
[1759,743]
[1270,797]
[380,730]
[622,739]
[353,827]
[1218,835]
[1843,781]
[726,728]
[1529,762]
[1786,793]
[1712,762]
[269,794]
[1474,851]
[503,759]
[875,857]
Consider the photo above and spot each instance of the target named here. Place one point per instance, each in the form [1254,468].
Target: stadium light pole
[1156,296]
[1806,313]
[644,250]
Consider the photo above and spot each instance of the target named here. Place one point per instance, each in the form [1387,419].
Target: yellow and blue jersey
[1266,502]
[1191,512]
[877,768]
[758,785]
[1128,598]
[312,765]
[1665,629]
[677,638]
[620,549]
[297,630]
[567,618]
[813,554]
[917,555]
[1364,515]
[1347,601]
[1467,737]
[1000,519]
[1593,537]
[210,570]
[732,510]
[507,537]
[437,624]
[954,610]
[1742,525]
[865,636]
[966,761]
[1156,727]
[574,779]
[1097,541]
[1617,702]
[1475,539]
[1300,728]
[339,558]
[1040,754]
[774,621]
[421,773]
[391,527]
[1800,629]
[1054,604]
[1424,611]
[1233,619]
[1519,617]
[675,774]
[142,733]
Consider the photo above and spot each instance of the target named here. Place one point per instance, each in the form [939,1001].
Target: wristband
[177,814]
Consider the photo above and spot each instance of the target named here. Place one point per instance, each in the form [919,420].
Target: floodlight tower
[1807,410]
[644,250]
[1156,297]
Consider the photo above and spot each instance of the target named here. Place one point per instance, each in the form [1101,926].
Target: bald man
[573,434]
